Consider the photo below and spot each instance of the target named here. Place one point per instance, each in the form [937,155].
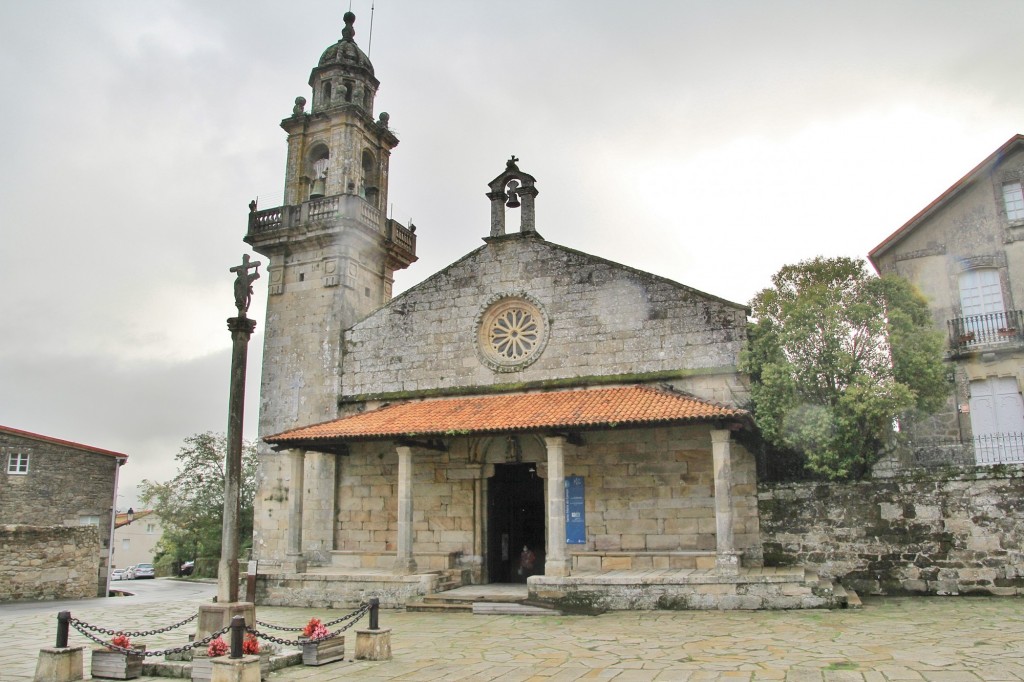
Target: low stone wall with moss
[48,562]
[936,532]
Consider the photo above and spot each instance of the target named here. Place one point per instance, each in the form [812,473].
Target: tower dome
[344,75]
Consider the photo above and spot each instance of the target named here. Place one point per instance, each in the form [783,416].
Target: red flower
[121,640]
[218,647]
[312,625]
[250,645]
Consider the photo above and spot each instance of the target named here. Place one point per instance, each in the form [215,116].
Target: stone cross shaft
[241,329]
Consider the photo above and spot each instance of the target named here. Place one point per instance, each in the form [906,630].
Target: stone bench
[425,561]
[641,560]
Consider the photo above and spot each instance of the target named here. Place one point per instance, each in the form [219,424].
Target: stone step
[438,607]
[446,598]
[485,608]
[848,597]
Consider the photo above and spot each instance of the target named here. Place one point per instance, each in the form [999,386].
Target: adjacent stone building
[529,414]
[136,534]
[965,252]
[52,482]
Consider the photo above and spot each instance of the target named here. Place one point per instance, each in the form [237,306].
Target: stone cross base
[244,669]
[215,617]
[59,665]
[373,645]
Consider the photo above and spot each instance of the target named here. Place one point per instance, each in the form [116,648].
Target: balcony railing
[325,210]
[977,332]
[999,448]
[986,450]
[401,236]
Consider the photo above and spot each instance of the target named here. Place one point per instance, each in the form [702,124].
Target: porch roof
[576,409]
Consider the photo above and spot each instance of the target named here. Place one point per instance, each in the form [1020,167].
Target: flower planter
[117,665]
[323,651]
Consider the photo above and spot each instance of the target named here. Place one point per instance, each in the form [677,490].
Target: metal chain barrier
[352,617]
[363,607]
[137,633]
[83,628]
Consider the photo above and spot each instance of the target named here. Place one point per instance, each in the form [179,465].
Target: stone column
[557,563]
[241,329]
[295,562]
[318,507]
[404,562]
[728,559]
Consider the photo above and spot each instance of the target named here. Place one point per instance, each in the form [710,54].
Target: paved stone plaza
[889,639]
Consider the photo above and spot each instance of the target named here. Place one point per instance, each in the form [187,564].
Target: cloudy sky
[707,142]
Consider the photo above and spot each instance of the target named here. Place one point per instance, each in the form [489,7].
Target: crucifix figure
[243,283]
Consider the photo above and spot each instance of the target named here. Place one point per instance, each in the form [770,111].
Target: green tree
[191,505]
[836,356]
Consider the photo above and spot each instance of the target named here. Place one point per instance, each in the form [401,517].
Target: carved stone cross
[243,283]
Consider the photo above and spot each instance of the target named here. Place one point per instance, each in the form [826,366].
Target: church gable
[521,310]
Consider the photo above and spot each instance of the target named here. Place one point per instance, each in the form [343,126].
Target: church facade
[530,414]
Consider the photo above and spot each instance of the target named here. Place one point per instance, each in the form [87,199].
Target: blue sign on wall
[575,516]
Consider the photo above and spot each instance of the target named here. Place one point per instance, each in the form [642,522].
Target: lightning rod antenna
[369,42]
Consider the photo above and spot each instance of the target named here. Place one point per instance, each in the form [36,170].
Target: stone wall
[48,562]
[932,533]
[605,320]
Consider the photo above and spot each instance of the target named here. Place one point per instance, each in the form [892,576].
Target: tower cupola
[344,76]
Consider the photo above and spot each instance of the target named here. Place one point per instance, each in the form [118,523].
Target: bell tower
[332,249]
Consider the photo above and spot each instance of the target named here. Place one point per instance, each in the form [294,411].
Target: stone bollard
[373,643]
[244,669]
[60,663]
[236,667]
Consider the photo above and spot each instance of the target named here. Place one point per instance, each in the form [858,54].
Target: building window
[1013,197]
[126,544]
[150,528]
[88,520]
[17,463]
[997,420]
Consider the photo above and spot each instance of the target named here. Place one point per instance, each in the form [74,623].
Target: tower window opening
[366,100]
[327,92]
[321,164]
[348,91]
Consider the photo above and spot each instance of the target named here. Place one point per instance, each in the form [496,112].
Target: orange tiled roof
[122,517]
[576,409]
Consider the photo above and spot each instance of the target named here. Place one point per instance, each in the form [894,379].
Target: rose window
[511,334]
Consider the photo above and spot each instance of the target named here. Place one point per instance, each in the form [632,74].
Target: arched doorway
[515,521]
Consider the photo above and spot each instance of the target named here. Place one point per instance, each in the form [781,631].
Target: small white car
[129,573]
[117,574]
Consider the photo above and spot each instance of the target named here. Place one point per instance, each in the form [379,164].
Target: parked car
[117,574]
[145,571]
[129,573]
[187,567]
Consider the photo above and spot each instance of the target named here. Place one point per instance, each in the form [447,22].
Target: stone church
[530,414]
